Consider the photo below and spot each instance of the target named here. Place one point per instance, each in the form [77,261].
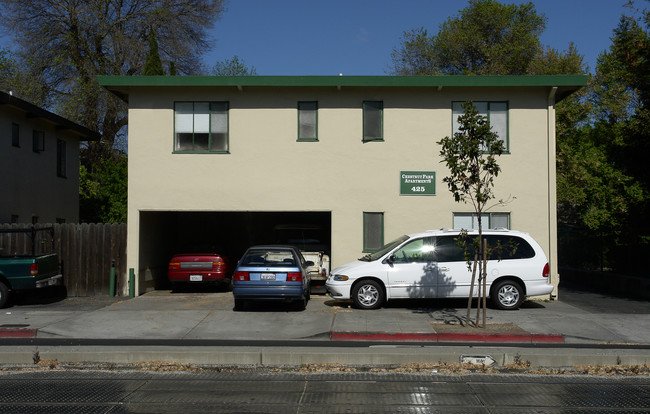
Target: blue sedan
[271,273]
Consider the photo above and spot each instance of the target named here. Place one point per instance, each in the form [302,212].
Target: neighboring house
[220,161]
[39,164]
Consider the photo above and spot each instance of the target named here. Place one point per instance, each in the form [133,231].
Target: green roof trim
[350,81]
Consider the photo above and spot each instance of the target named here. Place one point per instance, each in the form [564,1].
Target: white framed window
[201,127]
[469,221]
[496,113]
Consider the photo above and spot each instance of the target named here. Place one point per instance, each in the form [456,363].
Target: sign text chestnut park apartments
[417,183]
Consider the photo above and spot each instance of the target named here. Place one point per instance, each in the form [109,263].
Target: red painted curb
[447,337]
[547,338]
[17,333]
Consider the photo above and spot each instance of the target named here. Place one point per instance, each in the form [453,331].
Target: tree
[233,67]
[553,62]
[486,38]
[15,78]
[68,43]
[153,65]
[470,155]
[103,193]
[603,142]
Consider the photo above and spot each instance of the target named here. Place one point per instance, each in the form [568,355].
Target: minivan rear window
[503,248]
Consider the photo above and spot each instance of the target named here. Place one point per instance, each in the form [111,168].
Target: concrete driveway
[579,316]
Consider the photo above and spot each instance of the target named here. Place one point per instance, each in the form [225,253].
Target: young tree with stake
[470,155]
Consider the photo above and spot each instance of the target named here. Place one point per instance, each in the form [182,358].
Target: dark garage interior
[163,233]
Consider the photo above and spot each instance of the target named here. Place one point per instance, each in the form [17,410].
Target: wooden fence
[86,251]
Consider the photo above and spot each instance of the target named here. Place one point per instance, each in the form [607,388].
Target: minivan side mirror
[390,259]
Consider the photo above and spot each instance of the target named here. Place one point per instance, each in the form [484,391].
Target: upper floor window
[373,121]
[201,127]
[60,158]
[307,121]
[38,138]
[15,135]
[496,113]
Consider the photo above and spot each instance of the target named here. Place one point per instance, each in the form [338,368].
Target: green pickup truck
[20,272]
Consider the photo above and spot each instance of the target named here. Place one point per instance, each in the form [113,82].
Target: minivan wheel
[368,294]
[507,295]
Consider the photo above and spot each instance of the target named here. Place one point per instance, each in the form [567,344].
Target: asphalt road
[266,391]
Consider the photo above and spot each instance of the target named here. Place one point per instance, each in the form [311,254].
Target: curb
[17,333]
[522,338]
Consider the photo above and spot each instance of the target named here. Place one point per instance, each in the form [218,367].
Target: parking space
[164,233]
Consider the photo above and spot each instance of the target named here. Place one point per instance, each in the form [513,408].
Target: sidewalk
[400,332]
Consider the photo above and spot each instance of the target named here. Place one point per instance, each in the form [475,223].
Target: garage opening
[164,233]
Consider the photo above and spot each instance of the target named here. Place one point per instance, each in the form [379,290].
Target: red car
[199,268]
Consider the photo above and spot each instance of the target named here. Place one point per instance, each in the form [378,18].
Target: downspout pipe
[552,191]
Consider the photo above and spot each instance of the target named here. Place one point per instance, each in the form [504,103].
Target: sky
[356,37]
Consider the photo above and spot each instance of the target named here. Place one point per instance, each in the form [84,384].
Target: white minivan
[434,265]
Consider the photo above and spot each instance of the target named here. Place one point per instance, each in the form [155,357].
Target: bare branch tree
[70,42]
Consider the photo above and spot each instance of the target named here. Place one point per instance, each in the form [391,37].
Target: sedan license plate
[267,276]
[196,278]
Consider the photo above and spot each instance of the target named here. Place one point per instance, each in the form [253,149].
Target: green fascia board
[574,81]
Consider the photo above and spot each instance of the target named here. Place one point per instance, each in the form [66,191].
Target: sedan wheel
[507,295]
[368,294]
[239,304]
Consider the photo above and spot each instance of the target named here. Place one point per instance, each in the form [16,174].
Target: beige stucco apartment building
[39,164]
[223,161]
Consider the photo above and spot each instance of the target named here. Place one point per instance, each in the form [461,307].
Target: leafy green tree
[486,38]
[153,64]
[470,155]
[550,61]
[103,193]
[233,67]
[16,78]
[603,142]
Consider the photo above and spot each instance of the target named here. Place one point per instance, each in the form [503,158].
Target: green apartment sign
[417,183]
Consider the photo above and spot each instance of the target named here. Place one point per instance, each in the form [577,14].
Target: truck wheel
[368,294]
[4,294]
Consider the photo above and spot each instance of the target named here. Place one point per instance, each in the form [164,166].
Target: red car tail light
[219,265]
[33,269]
[547,271]
[174,266]
[242,276]
[294,277]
